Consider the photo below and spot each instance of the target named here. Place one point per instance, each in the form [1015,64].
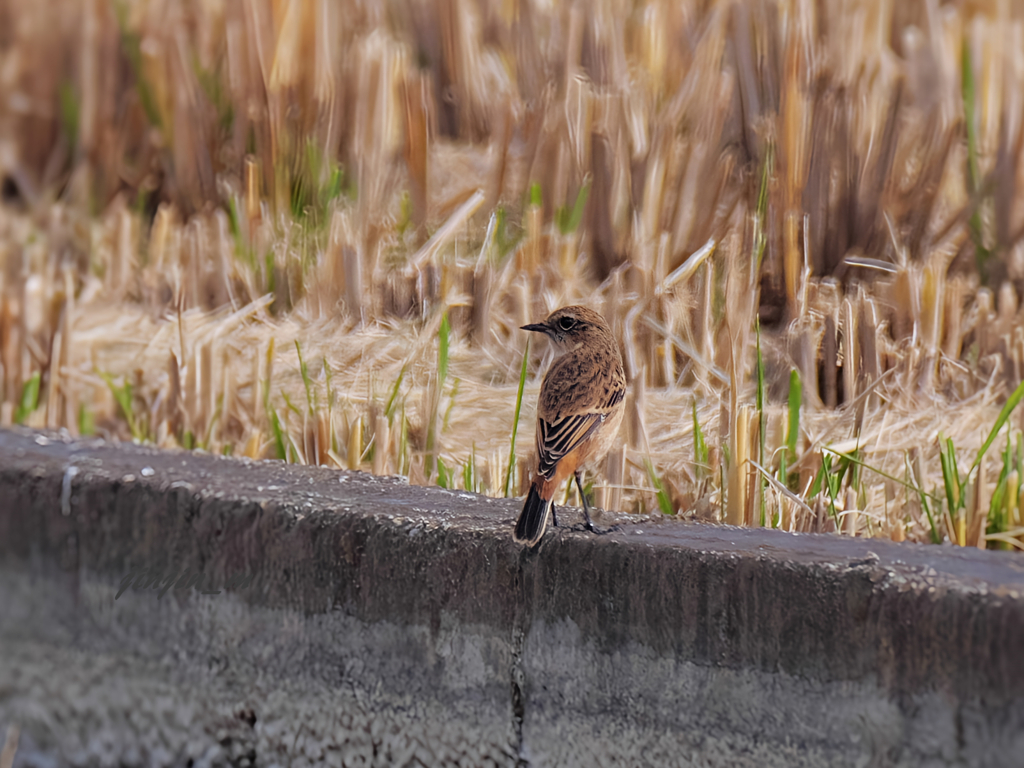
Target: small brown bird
[578,412]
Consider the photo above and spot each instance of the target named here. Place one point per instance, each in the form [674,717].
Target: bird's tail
[533,520]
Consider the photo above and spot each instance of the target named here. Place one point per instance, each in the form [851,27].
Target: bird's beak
[538,327]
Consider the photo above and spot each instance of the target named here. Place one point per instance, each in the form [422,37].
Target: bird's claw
[580,527]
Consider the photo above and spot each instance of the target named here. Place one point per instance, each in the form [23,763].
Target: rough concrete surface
[362,621]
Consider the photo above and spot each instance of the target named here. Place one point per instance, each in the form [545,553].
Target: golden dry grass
[190,189]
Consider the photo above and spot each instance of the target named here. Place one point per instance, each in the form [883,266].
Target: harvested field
[311,231]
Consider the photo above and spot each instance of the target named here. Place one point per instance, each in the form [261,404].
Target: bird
[579,411]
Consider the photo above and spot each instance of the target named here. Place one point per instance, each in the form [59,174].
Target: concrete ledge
[361,621]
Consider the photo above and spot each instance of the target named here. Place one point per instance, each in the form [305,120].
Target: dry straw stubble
[191,188]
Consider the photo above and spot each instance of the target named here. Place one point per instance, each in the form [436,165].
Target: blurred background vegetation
[311,230]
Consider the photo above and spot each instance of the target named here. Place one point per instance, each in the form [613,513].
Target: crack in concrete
[517,678]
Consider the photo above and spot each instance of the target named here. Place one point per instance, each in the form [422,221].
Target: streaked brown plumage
[578,412]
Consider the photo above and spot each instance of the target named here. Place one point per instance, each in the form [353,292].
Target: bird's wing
[558,438]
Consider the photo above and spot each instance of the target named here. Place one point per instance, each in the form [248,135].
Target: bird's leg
[586,505]
[554,517]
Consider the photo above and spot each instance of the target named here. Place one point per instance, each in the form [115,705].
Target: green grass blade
[444,475]
[762,421]
[30,397]
[569,220]
[846,465]
[291,406]
[664,502]
[955,467]
[443,344]
[389,409]
[306,381]
[123,395]
[69,111]
[404,460]
[404,213]
[451,405]
[968,93]
[879,472]
[950,475]
[506,241]
[760,240]
[936,538]
[131,46]
[536,197]
[1001,419]
[86,420]
[796,395]
[700,445]
[1020,454]
[817,483]
[515,421]
[330,404]
[831,487]
[997,510]
[270,373]
[469,471]
[217,411]
[278,433]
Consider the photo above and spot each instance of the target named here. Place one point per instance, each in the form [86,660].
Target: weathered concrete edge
[912,620]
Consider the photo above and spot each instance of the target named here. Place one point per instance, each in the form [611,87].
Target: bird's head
[570,326]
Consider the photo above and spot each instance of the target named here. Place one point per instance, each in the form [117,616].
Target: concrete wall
[361,621]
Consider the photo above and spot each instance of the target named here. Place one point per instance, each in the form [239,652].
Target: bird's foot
[597,531]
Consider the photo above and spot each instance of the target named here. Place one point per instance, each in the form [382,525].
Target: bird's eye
[566,323]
